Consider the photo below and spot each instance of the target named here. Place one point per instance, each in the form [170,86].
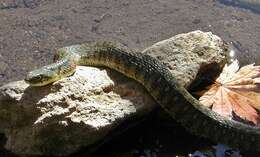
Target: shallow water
[30,31]
[253,5]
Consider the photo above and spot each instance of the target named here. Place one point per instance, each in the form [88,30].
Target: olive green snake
[160,84]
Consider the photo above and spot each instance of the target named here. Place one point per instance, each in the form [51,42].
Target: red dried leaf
[235,91]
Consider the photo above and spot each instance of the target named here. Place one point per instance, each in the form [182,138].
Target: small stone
[3,66]
[196,21]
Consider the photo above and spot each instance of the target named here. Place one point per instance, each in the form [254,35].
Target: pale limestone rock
[74,112]
[91,105]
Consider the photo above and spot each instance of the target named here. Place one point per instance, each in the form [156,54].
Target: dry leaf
[236,91]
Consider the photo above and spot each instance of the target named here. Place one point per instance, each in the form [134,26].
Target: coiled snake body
[161,85]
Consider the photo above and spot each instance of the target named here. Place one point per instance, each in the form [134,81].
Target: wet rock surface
[90,106]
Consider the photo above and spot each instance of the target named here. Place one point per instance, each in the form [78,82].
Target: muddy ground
[31,30]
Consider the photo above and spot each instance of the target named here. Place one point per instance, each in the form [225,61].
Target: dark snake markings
[161,85]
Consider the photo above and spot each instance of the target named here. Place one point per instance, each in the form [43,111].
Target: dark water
[165,138]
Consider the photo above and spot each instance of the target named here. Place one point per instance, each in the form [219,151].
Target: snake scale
[160,84]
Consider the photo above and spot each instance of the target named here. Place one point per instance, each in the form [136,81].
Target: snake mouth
[27,80]
[41,83]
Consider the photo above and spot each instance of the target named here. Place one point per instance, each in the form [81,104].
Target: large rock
[76,111]
[91,105]
[190,54]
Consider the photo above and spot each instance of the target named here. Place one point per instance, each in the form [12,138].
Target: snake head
[41,77]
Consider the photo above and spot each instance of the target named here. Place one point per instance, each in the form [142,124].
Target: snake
[159,82]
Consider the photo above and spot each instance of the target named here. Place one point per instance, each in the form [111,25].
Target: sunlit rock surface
[187,54]
[73,112]
[92,105]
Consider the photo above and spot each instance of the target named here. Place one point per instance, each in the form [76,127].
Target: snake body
[161,85]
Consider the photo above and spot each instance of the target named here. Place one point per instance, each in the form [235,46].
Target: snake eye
[38,77]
